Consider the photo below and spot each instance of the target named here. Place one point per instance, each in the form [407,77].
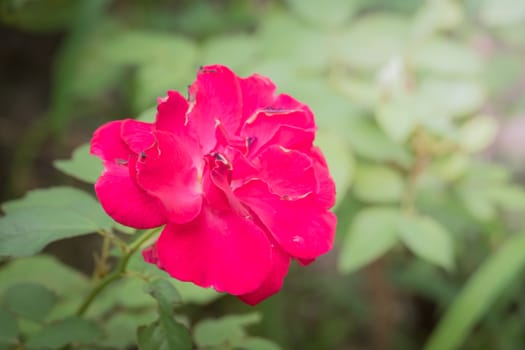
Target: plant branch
[120,243]
[422,152]
[117,273]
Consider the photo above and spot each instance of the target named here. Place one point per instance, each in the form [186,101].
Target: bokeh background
[421,113]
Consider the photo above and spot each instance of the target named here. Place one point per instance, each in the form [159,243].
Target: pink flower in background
[234,176]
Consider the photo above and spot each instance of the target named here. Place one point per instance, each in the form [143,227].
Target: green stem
[117,273]
[482,289]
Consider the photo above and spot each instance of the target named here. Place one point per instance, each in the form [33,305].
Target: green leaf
[478,204]
[372,232]
[111,298]
[300,41]
[508,196]
[482,193]
[328,13]
[148,115]
[435,16]
[501,70]
[372,40]
[201,19]
[48,215]
[165,293]
[63,281]
[254,343]
[379,184]
[480,292]
[82,165]
[429,240]
[154,46]
[29,300]
[68,284]
[28,327]
[155,79]
[450,98]
[333,110]
[339,158]
[223,331]
[164,334]
[8,328]
[451,167]
[225,50]
[189,292]
[370,142]
[66,331]
[460,60]
[120,329]
[478,133]
[502,13]
[361,91]
[164,62]
[399,116]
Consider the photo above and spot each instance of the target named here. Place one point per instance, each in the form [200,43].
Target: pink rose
[234,176]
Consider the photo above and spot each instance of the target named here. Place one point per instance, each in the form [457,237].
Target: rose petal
[217,249]
[288,110]
[171,117]
[242,168]
[219,191]
[257,92]
[137,135]
[274,281]
[302,227]
[171,113]
[125,202]
[291,137]
[167,172]
[284,112]
[224,139]
[107,144]
[215,98]
[326,191]
[305,262]
[288,174]
[150,255]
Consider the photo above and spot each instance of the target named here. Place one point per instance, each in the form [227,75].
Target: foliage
[409,97]
[55,213]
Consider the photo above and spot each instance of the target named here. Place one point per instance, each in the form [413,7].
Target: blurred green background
[421,114]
